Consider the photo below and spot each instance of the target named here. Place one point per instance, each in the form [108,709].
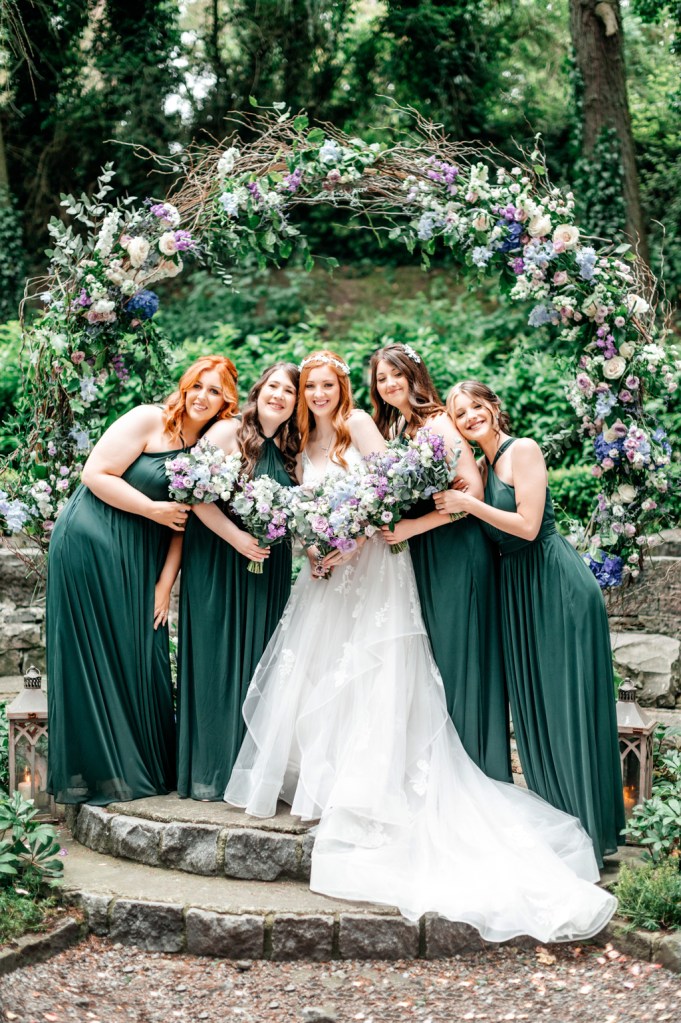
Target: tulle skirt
[347,722]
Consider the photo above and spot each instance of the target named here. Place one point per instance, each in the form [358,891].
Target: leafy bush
[650,895]
[29,848]
[4,750]
[574,491]
[23,910]
[10,381]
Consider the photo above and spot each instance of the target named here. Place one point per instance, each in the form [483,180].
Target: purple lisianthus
[183,242]
[291,182]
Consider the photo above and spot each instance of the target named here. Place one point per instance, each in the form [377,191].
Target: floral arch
[97,334]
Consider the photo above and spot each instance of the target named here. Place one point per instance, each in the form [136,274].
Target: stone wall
[22,616]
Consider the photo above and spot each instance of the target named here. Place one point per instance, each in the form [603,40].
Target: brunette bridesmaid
[455,567]
[227,614]
[554,626]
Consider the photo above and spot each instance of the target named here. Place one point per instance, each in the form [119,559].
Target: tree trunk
[598,41]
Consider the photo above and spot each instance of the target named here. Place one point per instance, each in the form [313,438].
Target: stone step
[211,839]
[168,911]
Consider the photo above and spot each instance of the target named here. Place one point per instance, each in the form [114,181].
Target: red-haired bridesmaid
[115,548]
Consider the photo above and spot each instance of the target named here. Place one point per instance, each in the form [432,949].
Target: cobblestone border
[248,854]
[34,948]
[165,927]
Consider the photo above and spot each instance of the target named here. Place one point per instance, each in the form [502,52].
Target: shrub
[650,895]
[4,750]
[29,848]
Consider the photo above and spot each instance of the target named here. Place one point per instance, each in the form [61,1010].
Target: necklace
[325,450]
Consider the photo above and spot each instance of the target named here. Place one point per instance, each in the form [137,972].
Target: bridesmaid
[455,568]
[227,614]
[555,628]
[112,735]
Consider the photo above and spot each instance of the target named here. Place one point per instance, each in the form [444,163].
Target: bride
[347,722]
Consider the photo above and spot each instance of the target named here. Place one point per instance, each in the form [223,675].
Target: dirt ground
[97,982]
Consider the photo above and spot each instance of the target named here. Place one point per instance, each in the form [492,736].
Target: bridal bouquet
[202,475]
[328,516]
[263,505]
[403,475]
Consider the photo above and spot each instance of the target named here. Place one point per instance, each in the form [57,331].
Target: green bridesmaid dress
[227,615]
[110,711]
[559,670]
[456,575]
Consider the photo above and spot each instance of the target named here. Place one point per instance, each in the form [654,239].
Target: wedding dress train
[347,722]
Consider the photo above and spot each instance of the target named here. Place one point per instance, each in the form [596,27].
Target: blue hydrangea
[426,226]
[607,568]
[608,449]
[230,203]
[539,316]
[481,255]
[143,305]
[539,254]
[586,261]
[512,239]
[605,404]
[16,513]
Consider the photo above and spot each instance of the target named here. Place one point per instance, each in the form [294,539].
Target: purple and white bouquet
[403,475]
[263,505]
[202,475]
[328,516]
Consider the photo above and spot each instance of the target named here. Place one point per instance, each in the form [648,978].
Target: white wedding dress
[347,722]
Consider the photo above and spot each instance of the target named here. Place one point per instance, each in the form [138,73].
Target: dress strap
[502,448]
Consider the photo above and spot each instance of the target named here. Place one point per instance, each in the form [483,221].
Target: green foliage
[23,911]
[29,848]
[4,750]
[598,183]
[12,265]
[656,824]
[10,382]
[650,895]
[573,490]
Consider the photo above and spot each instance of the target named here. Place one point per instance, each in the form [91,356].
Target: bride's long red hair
[174,408]
[306,420]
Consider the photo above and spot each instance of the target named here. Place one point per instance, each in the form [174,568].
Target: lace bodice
[311,474]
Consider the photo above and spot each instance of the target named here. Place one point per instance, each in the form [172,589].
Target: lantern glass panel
[631,776]
[30,751]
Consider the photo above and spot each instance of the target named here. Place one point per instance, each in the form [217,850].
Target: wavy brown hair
[486,396]
[249,435]
[174,408]
[424,398]
[306,420]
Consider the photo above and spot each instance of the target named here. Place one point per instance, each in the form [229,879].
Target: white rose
[627,350]
[539,226]
[104,305]
[166,244]
[567,234]
[626,493]
[481,222]
[138,250]
[614,368]
[169,268]
[227,161]
[636,305]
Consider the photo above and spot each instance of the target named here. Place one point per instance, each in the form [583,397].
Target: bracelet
[455,516]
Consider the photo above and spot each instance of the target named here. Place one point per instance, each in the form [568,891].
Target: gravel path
[97,982]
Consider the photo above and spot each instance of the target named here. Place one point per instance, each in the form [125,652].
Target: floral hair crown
[411,354]
[326,360]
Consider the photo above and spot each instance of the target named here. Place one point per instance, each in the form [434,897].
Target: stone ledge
[240,852]
[36,948]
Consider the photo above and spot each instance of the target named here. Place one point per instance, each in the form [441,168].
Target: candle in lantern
[24,787]
[629,798]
